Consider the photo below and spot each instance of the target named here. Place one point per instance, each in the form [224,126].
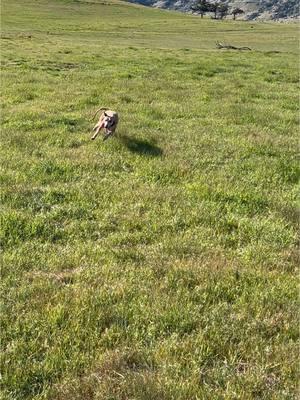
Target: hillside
[161,264]
[254,9]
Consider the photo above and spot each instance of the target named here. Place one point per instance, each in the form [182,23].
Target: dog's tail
[99,109]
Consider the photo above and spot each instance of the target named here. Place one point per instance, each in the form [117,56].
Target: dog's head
[108,120]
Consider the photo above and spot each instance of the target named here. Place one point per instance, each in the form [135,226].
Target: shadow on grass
[139,146]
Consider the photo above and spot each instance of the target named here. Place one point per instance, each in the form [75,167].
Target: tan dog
[108,121]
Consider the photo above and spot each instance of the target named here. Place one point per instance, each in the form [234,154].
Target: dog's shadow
[142,147]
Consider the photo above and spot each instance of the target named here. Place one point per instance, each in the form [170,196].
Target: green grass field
[162,263]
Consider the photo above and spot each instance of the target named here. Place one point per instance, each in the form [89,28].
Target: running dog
[108,121]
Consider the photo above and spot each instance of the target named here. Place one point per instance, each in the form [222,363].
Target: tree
[218,7]
[213,7]
[222,10]
[237,11]
[201,6]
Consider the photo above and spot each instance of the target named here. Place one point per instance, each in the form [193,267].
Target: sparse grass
[160,264]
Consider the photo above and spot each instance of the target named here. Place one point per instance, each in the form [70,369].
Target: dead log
[230,47]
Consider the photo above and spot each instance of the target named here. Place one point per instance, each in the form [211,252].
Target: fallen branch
[230,47]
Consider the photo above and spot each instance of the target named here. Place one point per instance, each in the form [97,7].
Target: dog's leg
[97,127]
[107,134]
